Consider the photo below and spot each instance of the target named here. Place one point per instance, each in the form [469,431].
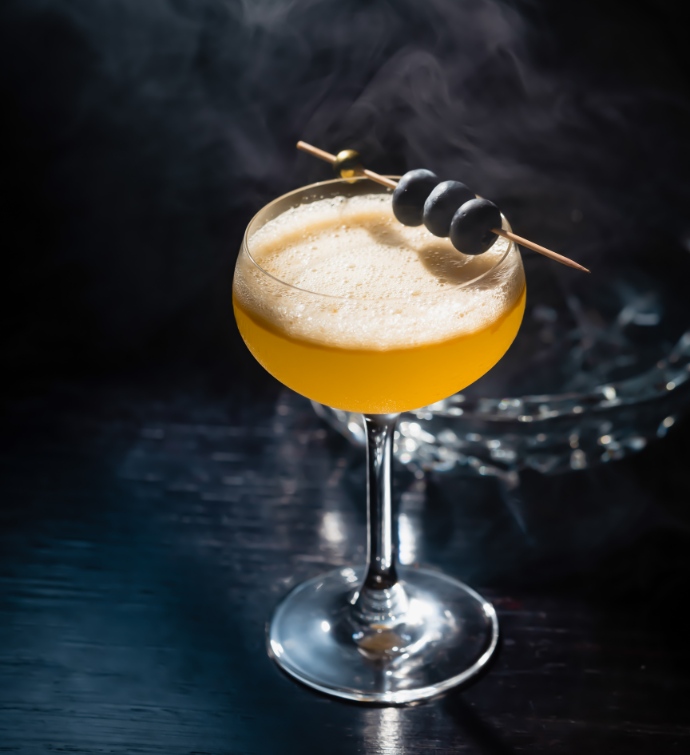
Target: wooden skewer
[328,157]
[539,249]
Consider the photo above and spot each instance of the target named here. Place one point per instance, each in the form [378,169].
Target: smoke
[142,136]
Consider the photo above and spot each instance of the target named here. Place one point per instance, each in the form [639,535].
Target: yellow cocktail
[343,304]
[346,306]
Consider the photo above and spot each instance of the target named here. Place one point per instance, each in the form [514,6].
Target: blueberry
[441,205]
[410,193]
[470,229]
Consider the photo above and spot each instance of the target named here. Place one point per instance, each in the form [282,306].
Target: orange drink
[343,304]
[347,306]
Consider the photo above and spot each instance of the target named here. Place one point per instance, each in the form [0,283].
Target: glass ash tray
[600,367]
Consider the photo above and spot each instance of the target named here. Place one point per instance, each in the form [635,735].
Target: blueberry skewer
[469,224]
[447,208]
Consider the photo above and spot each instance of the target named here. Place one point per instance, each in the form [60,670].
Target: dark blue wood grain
[145,540]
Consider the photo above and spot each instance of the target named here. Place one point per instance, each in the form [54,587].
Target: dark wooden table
[148,532]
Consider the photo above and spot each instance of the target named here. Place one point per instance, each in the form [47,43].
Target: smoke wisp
[141,138]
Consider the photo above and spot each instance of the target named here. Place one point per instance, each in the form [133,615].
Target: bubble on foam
[376,283]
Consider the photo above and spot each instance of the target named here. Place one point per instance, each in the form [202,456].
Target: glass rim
[245,248]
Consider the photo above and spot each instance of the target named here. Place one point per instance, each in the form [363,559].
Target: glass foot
[446,635]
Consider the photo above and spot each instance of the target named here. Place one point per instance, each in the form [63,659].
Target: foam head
[343,272]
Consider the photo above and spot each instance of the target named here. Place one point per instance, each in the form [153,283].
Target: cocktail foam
[344,272]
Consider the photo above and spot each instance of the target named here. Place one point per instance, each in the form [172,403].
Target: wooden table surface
[146,534]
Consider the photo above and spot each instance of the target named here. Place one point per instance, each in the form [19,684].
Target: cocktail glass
[378,632]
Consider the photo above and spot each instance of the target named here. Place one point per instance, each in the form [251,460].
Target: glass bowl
[600,367]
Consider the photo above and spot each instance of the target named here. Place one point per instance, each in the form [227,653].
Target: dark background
[138,139]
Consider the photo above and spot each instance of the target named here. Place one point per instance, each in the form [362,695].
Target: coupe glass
[378,632]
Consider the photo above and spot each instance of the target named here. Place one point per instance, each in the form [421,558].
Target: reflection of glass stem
[381,601]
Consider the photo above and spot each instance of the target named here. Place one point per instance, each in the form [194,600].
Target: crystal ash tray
[601,366]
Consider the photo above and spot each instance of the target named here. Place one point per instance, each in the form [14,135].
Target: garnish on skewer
[442,204]
[419,197]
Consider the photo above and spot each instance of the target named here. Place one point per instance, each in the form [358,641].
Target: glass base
[445,636]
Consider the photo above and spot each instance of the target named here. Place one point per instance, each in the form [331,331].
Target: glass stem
[380,599]
[382,538]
